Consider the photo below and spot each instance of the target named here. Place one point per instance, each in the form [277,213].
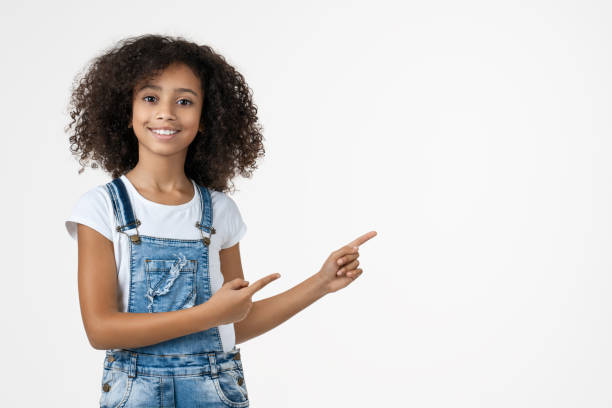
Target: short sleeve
[236,228]
[92,209]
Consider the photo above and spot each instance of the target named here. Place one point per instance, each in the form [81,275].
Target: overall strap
[205,222]
[122,208]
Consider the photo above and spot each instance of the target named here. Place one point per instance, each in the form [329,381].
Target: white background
[473,136]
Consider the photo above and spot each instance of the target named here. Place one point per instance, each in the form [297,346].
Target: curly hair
[101,108]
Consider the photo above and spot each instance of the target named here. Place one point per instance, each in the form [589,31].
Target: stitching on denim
[206,276]
[212,362]
[117,203]
[190,301]
[113,372]
[128,209]
[120,203]
[122,207]
[224,397]
[150,263]
[173,274]
[132,266]
[195,286]
[216,329]
[204,353]
[130,380]
[143,371]
[190,266]
[161,392]
[208,211]
[236,374]
[111,192]
[162,239]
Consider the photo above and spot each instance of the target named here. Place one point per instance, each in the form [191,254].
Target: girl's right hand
[232,302]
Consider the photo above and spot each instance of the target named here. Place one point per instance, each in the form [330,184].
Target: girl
[173,122]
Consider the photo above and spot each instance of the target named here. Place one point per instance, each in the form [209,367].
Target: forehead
[176,75]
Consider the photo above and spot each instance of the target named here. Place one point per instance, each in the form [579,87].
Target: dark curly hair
[101,108]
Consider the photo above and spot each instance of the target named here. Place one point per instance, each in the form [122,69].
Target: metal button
[106,387]
[240,381]
[237,356]
[111,358]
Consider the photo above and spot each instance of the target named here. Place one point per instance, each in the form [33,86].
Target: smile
[164,134]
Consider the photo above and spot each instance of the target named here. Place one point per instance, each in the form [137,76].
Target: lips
[164,137]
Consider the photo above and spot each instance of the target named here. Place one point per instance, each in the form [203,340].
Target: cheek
[140,114]
[190,120]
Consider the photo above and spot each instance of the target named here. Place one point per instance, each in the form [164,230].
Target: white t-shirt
[94,209]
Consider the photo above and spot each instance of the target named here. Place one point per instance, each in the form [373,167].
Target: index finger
[363,239]
[261,283]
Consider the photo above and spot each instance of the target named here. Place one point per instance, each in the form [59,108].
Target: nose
[165,111]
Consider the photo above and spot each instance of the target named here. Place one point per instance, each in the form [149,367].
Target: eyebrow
[157,88]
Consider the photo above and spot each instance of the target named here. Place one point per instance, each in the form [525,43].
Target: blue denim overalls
[170,274]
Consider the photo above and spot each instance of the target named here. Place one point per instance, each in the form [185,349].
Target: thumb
[236,283]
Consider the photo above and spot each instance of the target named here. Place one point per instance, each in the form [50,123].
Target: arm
[338,271]
[268,313]
[108,328]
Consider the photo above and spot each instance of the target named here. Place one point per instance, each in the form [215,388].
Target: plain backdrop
[473,136]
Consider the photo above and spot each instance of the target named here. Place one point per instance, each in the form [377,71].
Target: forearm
[268,313]
[127,330]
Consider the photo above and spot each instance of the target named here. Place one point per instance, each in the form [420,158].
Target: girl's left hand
[340,268]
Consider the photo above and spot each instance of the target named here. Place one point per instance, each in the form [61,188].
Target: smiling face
[170,102]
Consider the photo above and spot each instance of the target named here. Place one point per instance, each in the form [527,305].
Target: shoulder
[98,194]
[222,202]
[92,209]
[228,217]
[94,199]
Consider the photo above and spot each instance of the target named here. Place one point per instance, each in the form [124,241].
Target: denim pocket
[116,387]
[171,284]
[231,388]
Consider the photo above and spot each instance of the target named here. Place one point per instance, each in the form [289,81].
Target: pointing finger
[363,239]
[261,283]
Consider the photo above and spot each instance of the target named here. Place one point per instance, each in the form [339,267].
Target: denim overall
[170,274]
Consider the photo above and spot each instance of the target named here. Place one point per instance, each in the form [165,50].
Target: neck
[160,173]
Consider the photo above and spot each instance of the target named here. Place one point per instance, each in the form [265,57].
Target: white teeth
[164,132]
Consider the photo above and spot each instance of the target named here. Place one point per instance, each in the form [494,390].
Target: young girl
[160,280]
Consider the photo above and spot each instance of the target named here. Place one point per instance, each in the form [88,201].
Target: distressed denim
[169,274]
[213,379]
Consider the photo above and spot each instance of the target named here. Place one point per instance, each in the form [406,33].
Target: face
[170,102]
